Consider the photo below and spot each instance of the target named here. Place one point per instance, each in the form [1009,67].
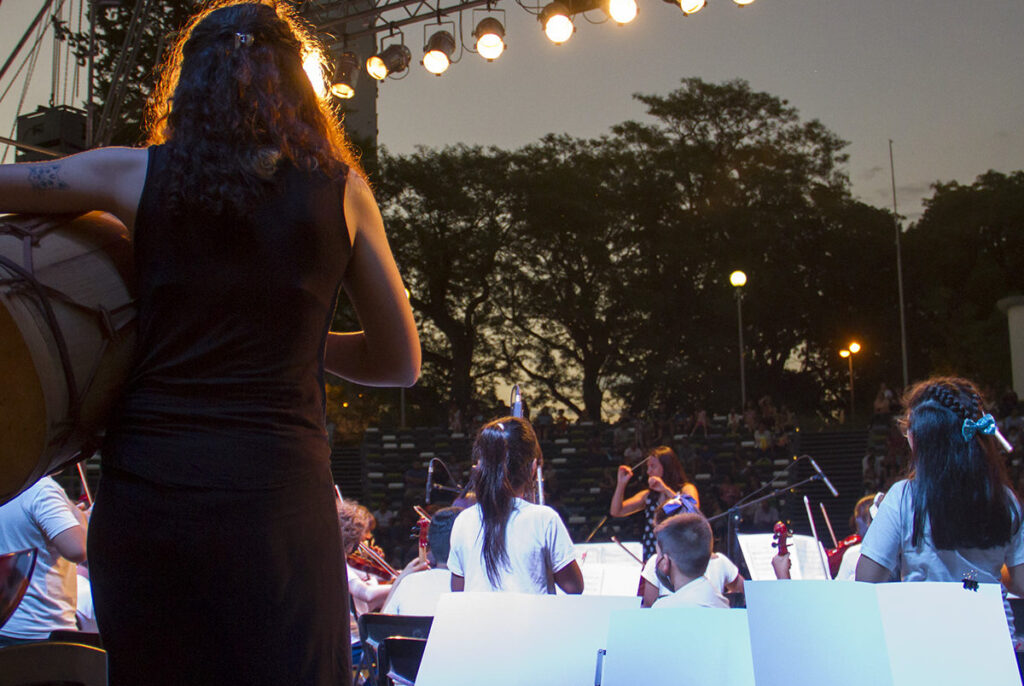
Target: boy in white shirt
[684,549]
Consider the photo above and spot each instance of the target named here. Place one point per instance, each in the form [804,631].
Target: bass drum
[67,332]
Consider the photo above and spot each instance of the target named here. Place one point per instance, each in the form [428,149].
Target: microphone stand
[734,512]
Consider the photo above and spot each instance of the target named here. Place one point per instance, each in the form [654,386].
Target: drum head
[22,410]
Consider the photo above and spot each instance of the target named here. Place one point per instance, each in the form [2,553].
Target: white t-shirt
[537,542]
[33,520]
[848,565]
[419,593]
[889,543]
[721,570]
[697,593]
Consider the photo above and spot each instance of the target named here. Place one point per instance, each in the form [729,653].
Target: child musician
[504,543]
[684,549]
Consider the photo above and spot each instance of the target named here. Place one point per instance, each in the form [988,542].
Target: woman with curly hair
[214,547]
[955,517]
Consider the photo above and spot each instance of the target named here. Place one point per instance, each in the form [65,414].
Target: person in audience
[418,594]
[723,574]
[684,550]
[43,518]
[504,543]
[665,480]
[955,517]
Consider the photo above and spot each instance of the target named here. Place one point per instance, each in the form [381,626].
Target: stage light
[622,11]
[438,52]
[743,3]
[490,38]
[343,85]
[556,23]
[691,6]
[391,60]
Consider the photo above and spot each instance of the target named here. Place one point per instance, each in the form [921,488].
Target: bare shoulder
[361,212]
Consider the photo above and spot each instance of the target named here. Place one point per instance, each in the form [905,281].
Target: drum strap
[74,402]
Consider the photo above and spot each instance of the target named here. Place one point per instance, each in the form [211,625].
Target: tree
[963,255]
[447,212]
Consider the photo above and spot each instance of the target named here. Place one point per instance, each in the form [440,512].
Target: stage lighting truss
[337,19]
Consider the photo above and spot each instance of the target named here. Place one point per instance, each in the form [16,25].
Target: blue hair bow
[681,503]
[986,424]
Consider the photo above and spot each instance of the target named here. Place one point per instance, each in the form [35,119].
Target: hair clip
[244,39]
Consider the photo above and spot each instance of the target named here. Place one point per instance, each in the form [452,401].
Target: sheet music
[804,553]
[608,569]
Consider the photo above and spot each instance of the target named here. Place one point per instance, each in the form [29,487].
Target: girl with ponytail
[504,543]
[955,517]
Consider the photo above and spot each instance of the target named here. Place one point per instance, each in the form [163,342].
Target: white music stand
[685,646]
[510,639]
[896,634]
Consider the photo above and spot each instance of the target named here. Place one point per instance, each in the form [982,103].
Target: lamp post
[738,279]
[848,354]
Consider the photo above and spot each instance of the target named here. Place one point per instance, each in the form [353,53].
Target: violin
[781,537]
[371,560]
[835,555]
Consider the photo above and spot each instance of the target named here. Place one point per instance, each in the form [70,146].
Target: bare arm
[70,543]
[569,578]
[387,351]
[871,571]
[105,179]
[648,593]
[691,490]
[620,507]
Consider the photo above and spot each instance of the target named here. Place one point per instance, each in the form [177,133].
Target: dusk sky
[943,79]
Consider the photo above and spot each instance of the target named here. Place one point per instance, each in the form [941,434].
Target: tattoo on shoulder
[46,177]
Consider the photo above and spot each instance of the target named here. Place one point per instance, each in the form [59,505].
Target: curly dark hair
[233,101]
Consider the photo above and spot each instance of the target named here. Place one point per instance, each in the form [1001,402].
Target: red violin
[835,555]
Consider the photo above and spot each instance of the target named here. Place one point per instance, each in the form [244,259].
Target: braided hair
[960,487]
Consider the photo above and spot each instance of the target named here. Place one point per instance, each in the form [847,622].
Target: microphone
[828,484]
[430,478]
[516,402]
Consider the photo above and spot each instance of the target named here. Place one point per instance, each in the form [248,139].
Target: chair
[399,660]
[15,572]
[68,664]
[86,638]
[374,627]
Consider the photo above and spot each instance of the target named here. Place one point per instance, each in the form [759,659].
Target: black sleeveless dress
[214,546]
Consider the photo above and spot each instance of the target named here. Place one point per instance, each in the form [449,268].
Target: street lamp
[848,353]
[738,279]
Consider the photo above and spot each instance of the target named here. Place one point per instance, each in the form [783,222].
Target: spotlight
[343,85]
[691,6]
[391,60]
[438,52]
[622,11]
[556,23]
[743,3]
[490,38]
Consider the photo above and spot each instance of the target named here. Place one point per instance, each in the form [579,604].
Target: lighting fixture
[691,6]
[437,55]
[490,38]
[554,19]
[391,60]
[343,85]
[622,11]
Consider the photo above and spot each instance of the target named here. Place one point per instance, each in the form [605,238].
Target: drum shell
[83,266]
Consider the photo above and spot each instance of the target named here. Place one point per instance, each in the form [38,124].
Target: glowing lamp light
[743,3]
[738,279]
[622,11]
[844,354]
[855,347]
[490,38]
[395,58]
[437,55]
[343,85]
[691,6]
[556,23]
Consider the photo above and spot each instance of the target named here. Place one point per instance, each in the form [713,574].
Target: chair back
[399,659]
[15,572]
[68,664]
[375,627]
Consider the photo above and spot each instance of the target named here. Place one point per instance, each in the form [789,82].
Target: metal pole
[739,321]
[90,106]
[899,269]
[850,360]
